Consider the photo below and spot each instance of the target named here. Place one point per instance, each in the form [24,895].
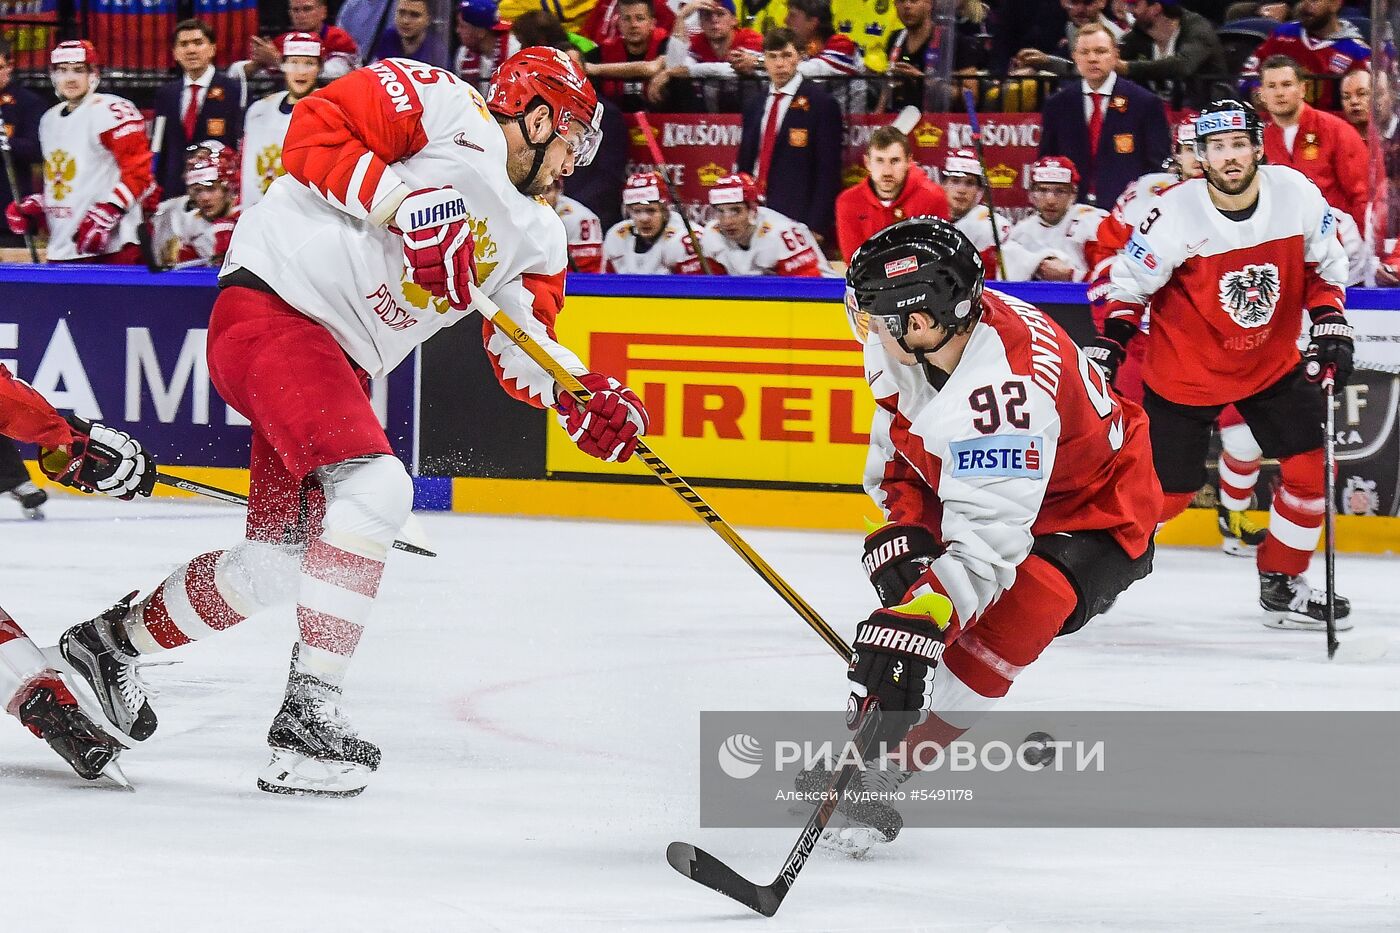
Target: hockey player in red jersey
[405,190]
[91,458]
[1016,486]
[1229,262]
[97,167]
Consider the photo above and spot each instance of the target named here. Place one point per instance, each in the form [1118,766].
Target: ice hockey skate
[100,653]
[1290,603]
[865,816]
[1239,536]
[51,713]
[30,498]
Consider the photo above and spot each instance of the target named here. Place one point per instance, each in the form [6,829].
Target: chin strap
[936,376]
[539,148]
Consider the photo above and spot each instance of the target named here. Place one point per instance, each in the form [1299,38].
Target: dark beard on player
[1218,181]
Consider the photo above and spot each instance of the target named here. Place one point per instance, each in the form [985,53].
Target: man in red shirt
[896,189]
[1321,146]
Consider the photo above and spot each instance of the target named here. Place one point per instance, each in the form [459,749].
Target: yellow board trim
[233,479]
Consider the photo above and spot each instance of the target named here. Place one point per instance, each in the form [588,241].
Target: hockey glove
[26,215]
[101,459]
[896,556]
[610,425]
[438,249]
[1111,348]
[222,229]
[893,660]
[95,229]
[1331,345]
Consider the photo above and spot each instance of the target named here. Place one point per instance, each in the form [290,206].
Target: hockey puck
[1037,750]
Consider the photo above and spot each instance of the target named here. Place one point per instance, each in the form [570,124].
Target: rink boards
[755,387]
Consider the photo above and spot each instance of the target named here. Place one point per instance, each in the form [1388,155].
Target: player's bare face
[1186,161]
[648,220]
[963,193]
[1051,201]
[300,71]
[411,18]
[557,161]
[1281,91]
[889,168]
[735,221]
[1231,162]
[211,200]
[307,15]
[71,81]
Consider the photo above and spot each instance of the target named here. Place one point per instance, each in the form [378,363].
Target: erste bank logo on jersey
[1010,455]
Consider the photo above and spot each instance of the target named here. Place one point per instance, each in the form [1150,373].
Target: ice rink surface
[535,690]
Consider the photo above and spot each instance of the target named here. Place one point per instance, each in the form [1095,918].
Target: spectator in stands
[791,141]
[411,36]
[623,65]
[963,183]
[486,42]
[746,238]
[866,22]
[911,54]
[1081,13]
[707,54]
[265,124]
[895,189]
[340,54]
[1059,238]
[604,22]
[364,20]
[1356,100]
[833,53]
[1028,24]
[201,104]
[1174,51]
[596,184]
[20,110]
[1320,42]
[1318,144]
[1114,128]
[583,231]
[653,239]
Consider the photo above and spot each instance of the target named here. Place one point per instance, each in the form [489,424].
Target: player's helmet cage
[922,264]
[1228,116]
[539,75]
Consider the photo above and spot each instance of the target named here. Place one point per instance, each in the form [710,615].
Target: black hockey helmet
[921,264]
[1228,116]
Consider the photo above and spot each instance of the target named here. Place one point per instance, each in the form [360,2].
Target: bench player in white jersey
[652,240]
[1229,262]
[404,189]
[1016,486]
[265,124]
[97,167]
[962,181]
[1060,236]
[583,231]
[199,224]
[748,239]
[91,458]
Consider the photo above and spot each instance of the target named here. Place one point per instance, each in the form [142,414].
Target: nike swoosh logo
[1192,247]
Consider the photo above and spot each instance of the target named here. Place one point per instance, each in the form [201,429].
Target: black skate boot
[1239,536]
[865,815]
[315,750]
[101,654]
[1289,602]
[51,713]
[30,499]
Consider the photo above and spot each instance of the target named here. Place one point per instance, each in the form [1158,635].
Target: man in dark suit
[791,141]
[201,105]
[1115,129]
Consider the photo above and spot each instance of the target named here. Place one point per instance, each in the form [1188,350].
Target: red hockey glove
[438,249]
[610,425]
[223,235]
[26,215]
[95,229]
[101,459]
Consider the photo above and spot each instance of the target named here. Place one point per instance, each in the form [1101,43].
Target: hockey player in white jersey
[404,189]
[198,225]
[748,239]
[963,181]
[583,231]
[1060,237]
[652,240]
[265,124]
[97,167]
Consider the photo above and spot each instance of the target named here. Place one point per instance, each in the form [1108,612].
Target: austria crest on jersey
[1250,295]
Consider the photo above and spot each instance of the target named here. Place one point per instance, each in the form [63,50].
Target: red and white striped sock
[1295,519]
[1238,467]
[336,594]
[187,606]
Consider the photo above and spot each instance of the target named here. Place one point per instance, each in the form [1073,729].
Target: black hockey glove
[101,459]
[896,556]
[1331,345]
[893,660]
[1111,347]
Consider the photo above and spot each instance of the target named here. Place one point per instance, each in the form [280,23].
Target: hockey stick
[702,867]
[233,498]
[569,382]
[982,161]
[660,161]
[1329,480]
[14,191]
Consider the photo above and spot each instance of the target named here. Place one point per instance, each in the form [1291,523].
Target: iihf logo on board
[740,756]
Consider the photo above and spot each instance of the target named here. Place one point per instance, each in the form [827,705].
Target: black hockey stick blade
[702,867]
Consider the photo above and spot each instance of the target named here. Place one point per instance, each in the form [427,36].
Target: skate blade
[1290,621]
[114,773]
[87,700]
[1237,548]
[296,775]
[850,841]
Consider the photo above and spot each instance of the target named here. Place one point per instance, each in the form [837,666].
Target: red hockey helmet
[1052,170]
[300,44]
[539,75]
[739,188]
[211,163]
[1185,130]
[642,188]
[75,52]
[962,162]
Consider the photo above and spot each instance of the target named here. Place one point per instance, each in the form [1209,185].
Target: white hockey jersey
[583,232]
[779,246]
[976,225]
[180,233]
[264,129]
[94,154]
[353,151]
[671,252]
[1066,240]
